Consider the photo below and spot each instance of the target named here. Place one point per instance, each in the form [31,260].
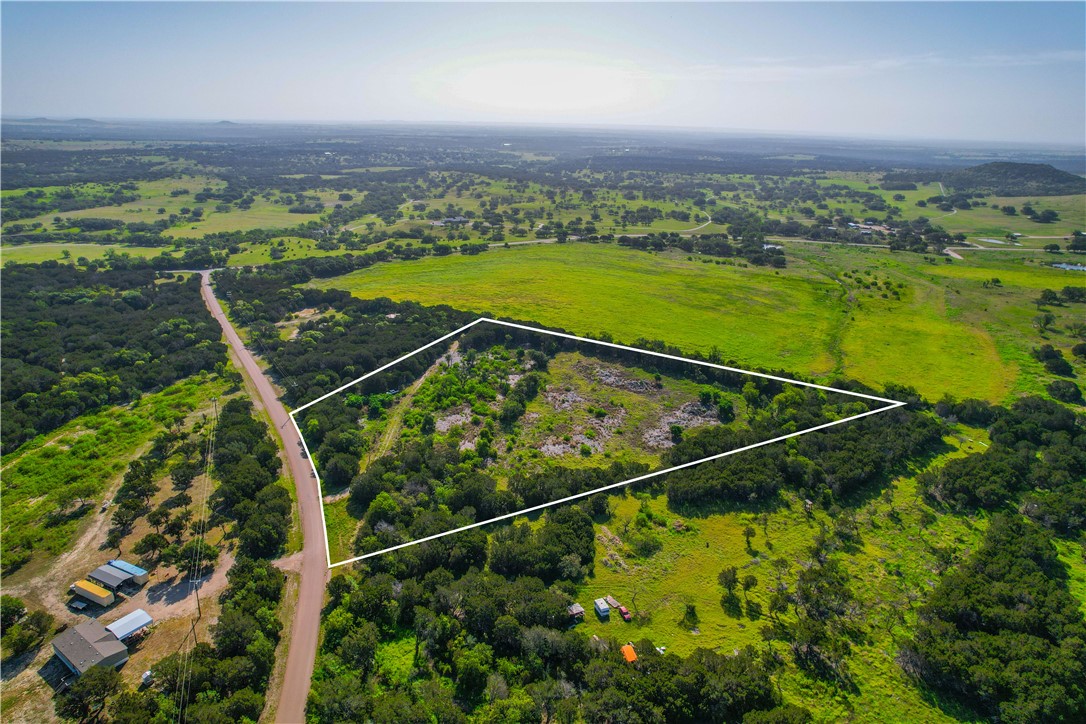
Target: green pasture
[296,248]
[37,253]
[894,561]
[153,195]
[751,315]
[946,333]
[263,215]
[979,221]
[92,450]
[990,221]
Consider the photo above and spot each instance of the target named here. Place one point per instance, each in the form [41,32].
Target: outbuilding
[139,575]
[87,645]
[109,577]
[92,592]
[602,609]
[131,624]
[576,611]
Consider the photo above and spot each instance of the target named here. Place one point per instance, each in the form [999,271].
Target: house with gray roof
[87,645]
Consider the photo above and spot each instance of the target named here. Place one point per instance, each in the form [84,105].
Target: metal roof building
[92,592]
[87,645]
[138,574]
[110,577]
[125,626]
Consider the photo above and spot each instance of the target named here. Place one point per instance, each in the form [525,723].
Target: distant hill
[1015,179]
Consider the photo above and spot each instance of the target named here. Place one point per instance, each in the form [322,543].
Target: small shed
[139,575]
[89,644]
[131,624]
[602,609]
[629,653]
[576,611]
[92,592]
[109,577]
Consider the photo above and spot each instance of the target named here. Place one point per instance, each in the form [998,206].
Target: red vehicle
[625,613]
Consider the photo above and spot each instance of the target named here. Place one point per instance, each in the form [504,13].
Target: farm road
[314,565]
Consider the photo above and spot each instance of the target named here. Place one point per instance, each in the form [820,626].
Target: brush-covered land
[491,429]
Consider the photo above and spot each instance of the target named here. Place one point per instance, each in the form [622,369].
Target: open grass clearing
[37,253]
[93,449]
[587,288]
[941,334]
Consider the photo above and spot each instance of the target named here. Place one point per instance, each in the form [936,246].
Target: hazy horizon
[973,72]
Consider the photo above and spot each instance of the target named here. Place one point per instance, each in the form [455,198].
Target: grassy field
[262,215]
[943,332]
[977,221]
[93,449]
[294,248]
[37,253]
[989,220]
[155,195]
[751,315]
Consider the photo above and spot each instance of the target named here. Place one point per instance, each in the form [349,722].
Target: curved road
[305,630]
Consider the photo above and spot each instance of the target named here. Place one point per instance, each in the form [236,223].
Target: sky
[972,71]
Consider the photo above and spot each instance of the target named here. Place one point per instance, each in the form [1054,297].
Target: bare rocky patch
[614,377]
[691,414]
[562,400]
[461,416]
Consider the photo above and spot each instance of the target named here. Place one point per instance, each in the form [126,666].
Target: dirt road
[314,565]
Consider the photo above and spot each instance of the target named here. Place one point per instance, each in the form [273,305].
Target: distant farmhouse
[450,221]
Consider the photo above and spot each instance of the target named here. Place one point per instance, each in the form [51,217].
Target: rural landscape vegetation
[234,401]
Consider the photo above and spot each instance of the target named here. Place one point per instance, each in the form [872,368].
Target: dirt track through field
[314,564]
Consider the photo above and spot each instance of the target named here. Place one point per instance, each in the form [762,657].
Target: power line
[199,529]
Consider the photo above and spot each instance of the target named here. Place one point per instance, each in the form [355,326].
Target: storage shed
[93,593]
[87,645]
[128,625]
[576,611]
[109,577]
[139,575]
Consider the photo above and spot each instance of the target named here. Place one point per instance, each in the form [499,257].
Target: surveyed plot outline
[890,405]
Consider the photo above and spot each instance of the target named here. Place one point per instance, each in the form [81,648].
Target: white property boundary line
[891,404]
